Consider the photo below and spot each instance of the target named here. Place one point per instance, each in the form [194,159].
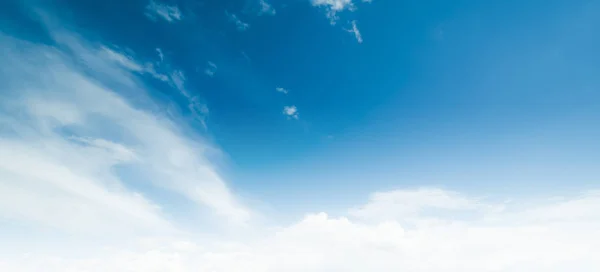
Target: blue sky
[228,132]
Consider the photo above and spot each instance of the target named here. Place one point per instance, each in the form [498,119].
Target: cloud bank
[462,234]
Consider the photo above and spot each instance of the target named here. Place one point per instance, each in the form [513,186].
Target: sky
[299,135]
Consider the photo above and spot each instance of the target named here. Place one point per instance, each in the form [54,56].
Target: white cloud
[198,109]
[211,65]
[117,151]
[211,69]
[266,8]
[175,79]
[290,111]
[241,26]
[161,56]
[166,12]
[405,205]
[67,132]
[520,238]
[127,62]
[334,7]
[178,80]
[354,30]
[281,90]
[122,60]
[55,183]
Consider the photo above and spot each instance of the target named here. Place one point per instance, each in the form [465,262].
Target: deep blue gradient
[491,96]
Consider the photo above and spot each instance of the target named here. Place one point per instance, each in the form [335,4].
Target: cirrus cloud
[166,12]
[75,131]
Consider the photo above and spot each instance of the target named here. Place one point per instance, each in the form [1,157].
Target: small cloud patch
[211,69]
[266,8]
[168,13]
[281,90]
[241,26]
[333,7]
[291,111]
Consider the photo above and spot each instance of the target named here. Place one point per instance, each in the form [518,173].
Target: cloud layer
[464,234]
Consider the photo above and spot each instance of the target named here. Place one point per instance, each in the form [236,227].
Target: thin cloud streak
[241,26]
[354,30]
[281,90]
[211,69]
[166,12]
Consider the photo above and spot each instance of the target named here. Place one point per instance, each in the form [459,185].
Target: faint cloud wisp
[166,12]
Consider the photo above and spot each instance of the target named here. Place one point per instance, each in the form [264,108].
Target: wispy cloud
[410,206]
[246,57]
[241,26]
[122,59]
[333,7]
[176,78]
[161,56]
[266,8]
[290,111]
[74,131]
[198,109]
[127,62]
[281,90]
[164,11]
[211,69]
[118,151]
[354,30]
